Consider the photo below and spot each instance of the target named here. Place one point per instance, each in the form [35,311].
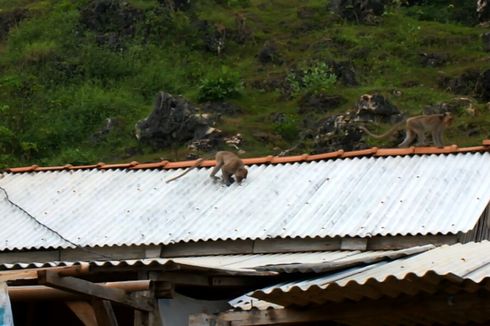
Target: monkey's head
[447,119]
[241,174]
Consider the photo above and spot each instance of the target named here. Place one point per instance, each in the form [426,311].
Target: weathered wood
[112,252]
[84,311]
[31,273]
[41,292]
[29,256]
[461,308]
[104,313]
[202,248]
[353,244]
[403,242]
[79,254]
[295,245]
[152,318]
[77,285]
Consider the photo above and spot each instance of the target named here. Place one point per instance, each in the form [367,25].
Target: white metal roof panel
[460,262]
[303,262]
[422,194]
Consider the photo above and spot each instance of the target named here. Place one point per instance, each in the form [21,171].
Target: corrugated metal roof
[305,262]
[457,263]
[423,194]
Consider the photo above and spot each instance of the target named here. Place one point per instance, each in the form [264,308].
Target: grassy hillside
[65,70]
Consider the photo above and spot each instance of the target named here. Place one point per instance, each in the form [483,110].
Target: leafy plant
[287,127]
[315,78]
[227,84]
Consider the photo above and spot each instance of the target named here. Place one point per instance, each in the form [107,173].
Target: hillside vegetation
[67,66]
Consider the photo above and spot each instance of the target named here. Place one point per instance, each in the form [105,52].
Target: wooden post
[148,318]
[84,311]
[103,313]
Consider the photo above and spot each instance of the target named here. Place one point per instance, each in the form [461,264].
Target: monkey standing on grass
[229,163]
[418,126]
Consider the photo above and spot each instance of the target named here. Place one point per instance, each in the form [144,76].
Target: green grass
[59,83]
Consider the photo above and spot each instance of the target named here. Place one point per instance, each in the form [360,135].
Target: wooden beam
[41,292]
[31,273]
[353,243]
[403,242]
[84,311]
[77,285]
[103,313]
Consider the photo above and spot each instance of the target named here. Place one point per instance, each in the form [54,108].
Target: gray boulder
[376,108]
[173,120]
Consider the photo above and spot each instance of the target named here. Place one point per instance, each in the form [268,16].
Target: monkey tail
[198,163]
[386,134]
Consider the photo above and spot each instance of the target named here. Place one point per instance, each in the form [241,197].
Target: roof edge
[167,165]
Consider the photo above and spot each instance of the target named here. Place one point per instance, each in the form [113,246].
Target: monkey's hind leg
[409,138]
[421,138]
[437,138]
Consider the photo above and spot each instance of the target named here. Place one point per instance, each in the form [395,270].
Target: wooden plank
[84,311]
[31,273]
[29,256]
[353,244]
[77,254]
[182,278]
[403,242]
[204,248]
[112,252]
[104,313]
[41,292]
[77,285]
[295,245]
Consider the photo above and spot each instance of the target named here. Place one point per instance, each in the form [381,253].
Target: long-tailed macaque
[418,126]
[229,163]
[198,163]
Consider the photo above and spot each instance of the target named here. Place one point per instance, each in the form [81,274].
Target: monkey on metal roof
[230,165]
[418,126]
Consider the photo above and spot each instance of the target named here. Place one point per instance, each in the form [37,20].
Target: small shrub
[75,156]
[39,51]
[234,3]
[8,141]
[223,86]
[315,78]
[287,128]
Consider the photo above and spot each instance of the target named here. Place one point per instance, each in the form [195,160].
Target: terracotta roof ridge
[270,159]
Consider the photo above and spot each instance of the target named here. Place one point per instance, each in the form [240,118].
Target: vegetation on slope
[66,68]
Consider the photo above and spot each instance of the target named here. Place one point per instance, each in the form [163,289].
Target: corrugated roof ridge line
[270,159]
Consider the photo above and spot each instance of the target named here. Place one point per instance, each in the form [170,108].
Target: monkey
[418,126]
[229,163]
[198,163]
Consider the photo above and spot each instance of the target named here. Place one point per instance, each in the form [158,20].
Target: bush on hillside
[315,78]
[227,84]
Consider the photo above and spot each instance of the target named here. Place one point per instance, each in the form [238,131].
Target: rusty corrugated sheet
[362,197]
[456,263]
